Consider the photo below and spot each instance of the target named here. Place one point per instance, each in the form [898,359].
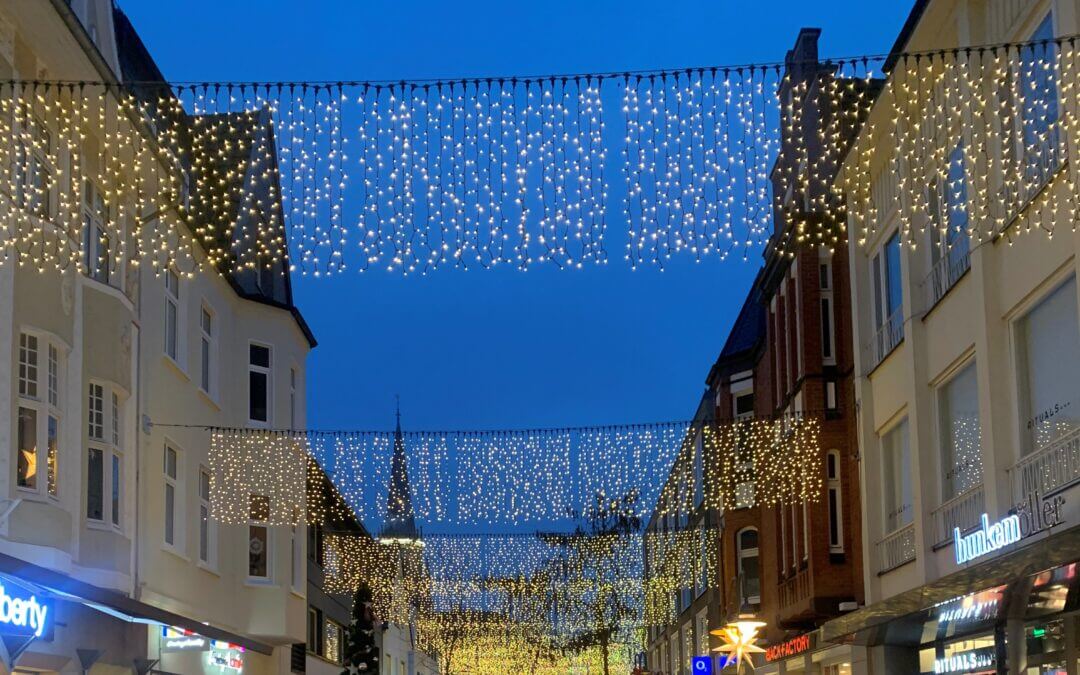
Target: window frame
[172,321]
[943,420]
[742,553]
[268,372]
[891,483]
[208,350]
[172,487]
[827,305]
[327,624]
[834,500]
[97,236]
[40,390]
[110,444]
[263,524]
[33,161]
[208,530]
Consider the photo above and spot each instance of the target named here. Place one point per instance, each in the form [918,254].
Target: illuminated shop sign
[226,657]
[963,662]
[972,608]
[181,640]
[787,648]
[22,612]
[988,538]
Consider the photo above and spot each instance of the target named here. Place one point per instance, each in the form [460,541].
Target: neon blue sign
[701,665]
[21,612]
[988,538]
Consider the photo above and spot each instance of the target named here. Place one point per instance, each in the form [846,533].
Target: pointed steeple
[400,519]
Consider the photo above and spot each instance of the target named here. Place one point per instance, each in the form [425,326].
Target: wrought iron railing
[887,337]
[897,548]
[1048,470]
[962,511]
[1038,163]
[945,273]
[795,589]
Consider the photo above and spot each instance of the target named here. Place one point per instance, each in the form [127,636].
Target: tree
[600,597]
[361,654]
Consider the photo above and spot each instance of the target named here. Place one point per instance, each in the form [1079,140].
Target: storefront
[1027,626]
[807,654]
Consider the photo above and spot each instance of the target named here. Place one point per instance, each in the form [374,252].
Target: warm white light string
[419,175]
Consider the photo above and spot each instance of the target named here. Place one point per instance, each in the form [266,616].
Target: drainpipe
[141,427]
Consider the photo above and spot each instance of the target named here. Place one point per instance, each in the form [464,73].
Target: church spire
[400,519]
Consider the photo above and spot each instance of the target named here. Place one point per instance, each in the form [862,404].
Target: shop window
[1049,384]
[961,447]
[896,464]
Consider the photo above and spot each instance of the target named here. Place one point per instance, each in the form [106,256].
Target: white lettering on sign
[988,538]
[964,661]
[22,612]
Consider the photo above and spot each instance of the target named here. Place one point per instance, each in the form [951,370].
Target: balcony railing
[962,511]
[1039,162]
[795,589]
[945,273]
[887,337]
[897,548]
[1048,470]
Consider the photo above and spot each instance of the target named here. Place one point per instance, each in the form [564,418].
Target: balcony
[1039,162]
[1048,470]
[962,511]
[887,337]
[795,589]
[896,549]
[945,273]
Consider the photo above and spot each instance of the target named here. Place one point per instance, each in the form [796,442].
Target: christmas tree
[361,654]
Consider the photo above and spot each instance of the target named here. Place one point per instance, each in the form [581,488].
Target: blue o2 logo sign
[22,612]
[701,665]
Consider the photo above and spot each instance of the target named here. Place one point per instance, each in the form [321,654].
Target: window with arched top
[746,547]
[835,498]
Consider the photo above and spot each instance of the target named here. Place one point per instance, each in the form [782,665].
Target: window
[703,634]
[949,241]
[674,652]
[105,465]
[1049,381]
[96,243]
[744,405]
[206,349]
[314,635]
[259,383]
[54,376]
[746,544]
[28,365]
[896,461]
[703,571]
[888,298]
[960,436]
[95,489]
[315,543]
[332,647]
[292,398]
[1040,103]
[34,168]
[830,395]
[207,529]
[170,460]
[296,557]
[172,312]
[828,339]
[28,449]
[259,538]
[834,488]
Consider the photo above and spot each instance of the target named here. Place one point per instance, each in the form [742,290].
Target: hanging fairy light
[414,176]
[518,477]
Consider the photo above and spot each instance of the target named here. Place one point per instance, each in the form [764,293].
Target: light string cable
[321,177]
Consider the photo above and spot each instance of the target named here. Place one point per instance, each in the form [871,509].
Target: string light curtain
[421,175]
[539,476]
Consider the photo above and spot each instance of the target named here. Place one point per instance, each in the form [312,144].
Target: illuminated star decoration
[739,638]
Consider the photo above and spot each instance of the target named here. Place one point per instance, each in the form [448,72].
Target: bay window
[39,412]
[960,435]
[896,462]
[1047,342]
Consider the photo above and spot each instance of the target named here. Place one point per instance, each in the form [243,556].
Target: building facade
[106,512]
[966,370]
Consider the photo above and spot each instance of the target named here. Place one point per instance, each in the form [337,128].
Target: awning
[117,604]
[859,626]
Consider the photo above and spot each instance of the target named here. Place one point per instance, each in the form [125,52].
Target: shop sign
[1038,514]
[22,613]
[788,648]
[181,640]
[963,662]
[988,538]
[701,665]
[972,608]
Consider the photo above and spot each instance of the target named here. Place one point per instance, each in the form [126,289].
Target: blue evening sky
[506,349]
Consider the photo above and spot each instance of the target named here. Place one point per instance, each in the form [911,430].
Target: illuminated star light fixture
[740,641]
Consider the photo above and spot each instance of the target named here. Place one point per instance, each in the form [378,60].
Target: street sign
[701,665]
